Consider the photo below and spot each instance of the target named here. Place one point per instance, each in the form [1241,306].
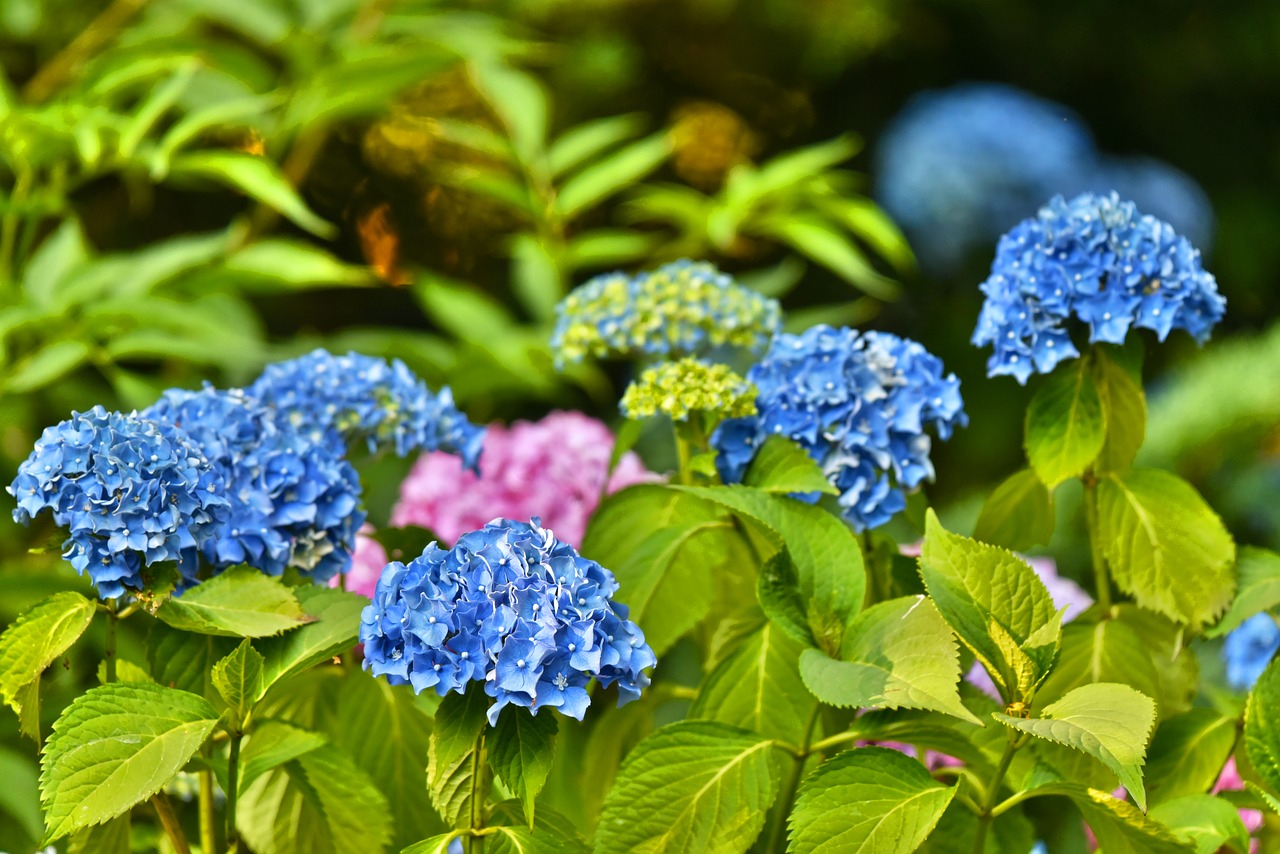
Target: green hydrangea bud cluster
[680,388]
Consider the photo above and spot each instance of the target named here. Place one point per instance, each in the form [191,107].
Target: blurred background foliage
[190,188]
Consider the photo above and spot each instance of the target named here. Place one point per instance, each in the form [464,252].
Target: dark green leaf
[1188,753]
[1066,426]
[1262,726]
[1018,514]
[238,678]
[521,748]
[453,761]
[1125,409]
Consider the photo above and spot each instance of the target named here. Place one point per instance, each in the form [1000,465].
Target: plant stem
[100,31]
[991,796]
[9,224]
[778,837]
[834,740]
[169,820]
[233,783]
[683,455]
[109,648]
[474,844]
[208,833]
[1102,581]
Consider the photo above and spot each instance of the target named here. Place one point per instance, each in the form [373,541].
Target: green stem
[109,648]
[778,837]
[834,740]
[169,821]
[474,844]
[1102,580]
[9,224]
[683,455]
[208,819]
[233,783]
[992,794]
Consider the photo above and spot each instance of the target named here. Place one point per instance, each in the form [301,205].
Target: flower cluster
[683,308]
[859,405]
[556,468]
[959,167]
[1097,259]
[365,398]
[690,385]
[295,498]
[1249,649]
[513,607]
[130,492]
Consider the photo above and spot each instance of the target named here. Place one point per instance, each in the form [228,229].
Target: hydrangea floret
[681,309]
[131,492]
[859,404]
[295,498]
[679,389]
[1097,259]
[1249,648]
[369,399]
[512,607]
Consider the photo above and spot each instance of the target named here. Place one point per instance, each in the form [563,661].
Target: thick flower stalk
[295,500]
[131,493]
[681,309]
[556,468]
[512,607]
[1096,259]
[859,404]
[381,403]
[684,388]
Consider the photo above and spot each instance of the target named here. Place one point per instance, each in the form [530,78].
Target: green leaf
[610,174]
[783,466]
[828,562]
[37,639]
[779,594]
[183,660]
[823,242]
[1124,409]
[757,687]
[453,762]
[897,654]
[1176,667]
[109,838]
[1210,823]
[554,834]
[241,602]
[1263,795]
[608,247]
[1107,650]
[1018,514]
[997,605]
[579,144]
[867,801]
[116,746]
[535,276]
[1262,726]
[1188,753]
[435,845]
[334,629]
[61,252]
[465,311]
[1259,576]
[294,264]
[1010,833]
[1165,546]
[520,102]
[1121,828]
[693,786]
[1066,426]
[19,796]
[521,750]
[319,803]
[256,177]
[44,366]
[238,678]
[272,744]
[1108,721]
[396,760]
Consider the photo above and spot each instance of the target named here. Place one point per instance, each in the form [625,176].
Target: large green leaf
[1262,725]
[272,744]
[555,833]
[867,801]
[241,602]
[693,786]
[1125,408]
[1176,666]
[757,687]
[37,638]
[1258,571]
[109,838]
[783,466]
[1212,824]
[1188,753]
[1108,721]
[997,605]
[1165,545]
[521,750]
[318,803]
[1010,833]
[1018,514]
[897,654]
[116,746]
[1102,651]
[1066,426]
[333,629]
[453,761]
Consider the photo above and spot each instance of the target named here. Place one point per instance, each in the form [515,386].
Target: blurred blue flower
[1098,259]
[859,405]
[130,492]
[382,403]
[295,498]
[685,308]
[513,607]
[1248,650]
[1160,190]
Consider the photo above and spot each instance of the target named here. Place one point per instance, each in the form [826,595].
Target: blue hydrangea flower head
[859,404]
[1160,190]
[295,498]
[510,606]
[131,492]
[369,399]
[685,308]
[1097,259]
[1249,649]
